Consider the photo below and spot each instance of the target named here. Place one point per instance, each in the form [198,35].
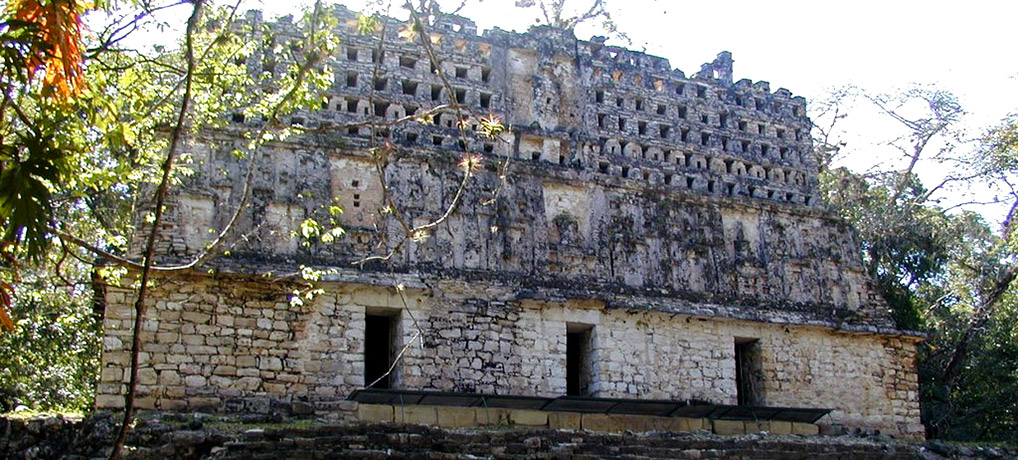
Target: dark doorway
[578,359]
[748,372]
[378,350]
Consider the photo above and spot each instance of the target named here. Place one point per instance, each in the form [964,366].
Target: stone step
[428,443]
[269,451]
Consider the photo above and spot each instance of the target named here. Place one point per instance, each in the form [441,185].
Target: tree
[554,13]
[985,269]
[906,237]
[943,270]
[51,355]
[78,163]
[45,314]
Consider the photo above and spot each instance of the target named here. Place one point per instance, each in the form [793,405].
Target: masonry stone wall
[672,219]
[225,344]
[553,227]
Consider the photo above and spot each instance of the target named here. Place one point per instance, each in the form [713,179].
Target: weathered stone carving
[668,215]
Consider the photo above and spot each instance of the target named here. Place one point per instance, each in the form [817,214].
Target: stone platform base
[176,436]
[468,417]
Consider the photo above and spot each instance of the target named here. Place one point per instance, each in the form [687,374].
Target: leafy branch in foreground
[37,128]
[77,164]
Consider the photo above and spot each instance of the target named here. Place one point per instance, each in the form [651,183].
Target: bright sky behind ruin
[809,47]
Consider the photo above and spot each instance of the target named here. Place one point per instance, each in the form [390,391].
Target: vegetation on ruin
[89,132]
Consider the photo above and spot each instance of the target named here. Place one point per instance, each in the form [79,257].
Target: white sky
[810,47]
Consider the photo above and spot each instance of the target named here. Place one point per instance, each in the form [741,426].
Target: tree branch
[160,198]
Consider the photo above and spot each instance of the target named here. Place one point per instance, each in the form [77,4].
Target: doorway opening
[748,372]
[579,368]
[379,349]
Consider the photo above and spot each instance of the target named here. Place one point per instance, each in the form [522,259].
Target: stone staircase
[384,441]
[207,437]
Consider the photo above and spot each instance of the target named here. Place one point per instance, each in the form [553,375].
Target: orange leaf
[5,304]
[5,321]
[59,24]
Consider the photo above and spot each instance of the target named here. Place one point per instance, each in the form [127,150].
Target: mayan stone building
[657,237]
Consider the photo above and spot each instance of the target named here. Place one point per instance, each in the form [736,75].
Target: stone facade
[221,343]
[671,222]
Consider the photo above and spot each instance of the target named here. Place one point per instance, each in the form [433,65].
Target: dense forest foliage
[92,121]
[944,270]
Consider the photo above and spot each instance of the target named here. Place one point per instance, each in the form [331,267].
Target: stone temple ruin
[657,244]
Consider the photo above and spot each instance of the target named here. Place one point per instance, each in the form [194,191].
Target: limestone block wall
[623,174]
[552,229]
[223,343]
